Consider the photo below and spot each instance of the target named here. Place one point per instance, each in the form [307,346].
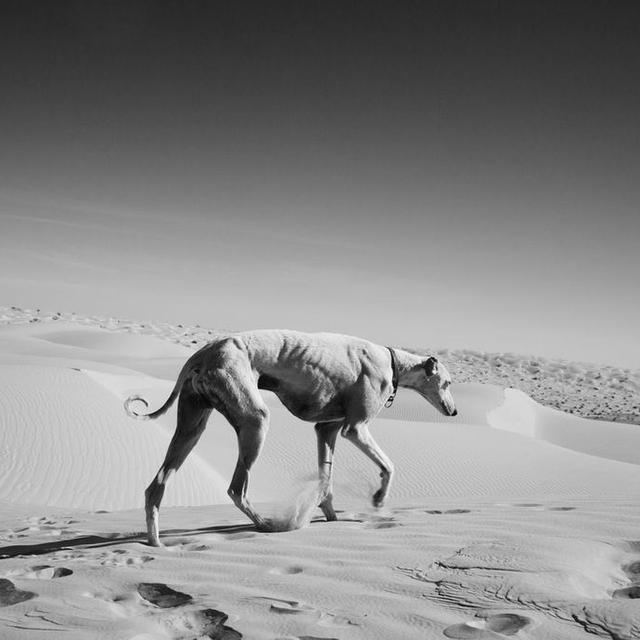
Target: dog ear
[430,366]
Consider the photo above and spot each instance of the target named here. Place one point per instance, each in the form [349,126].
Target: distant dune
[585,389]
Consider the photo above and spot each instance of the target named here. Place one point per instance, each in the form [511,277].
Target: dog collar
[394,379]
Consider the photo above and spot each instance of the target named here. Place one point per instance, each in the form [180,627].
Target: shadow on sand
[113,539]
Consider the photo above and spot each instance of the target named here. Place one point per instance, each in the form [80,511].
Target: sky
[443,174]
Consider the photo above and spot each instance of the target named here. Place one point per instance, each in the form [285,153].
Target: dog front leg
[359,435]
[326,432]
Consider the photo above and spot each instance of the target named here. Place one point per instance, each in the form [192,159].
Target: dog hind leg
[251,431]
[326,433]
[193,413]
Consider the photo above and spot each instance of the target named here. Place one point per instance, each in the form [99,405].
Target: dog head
[432,381]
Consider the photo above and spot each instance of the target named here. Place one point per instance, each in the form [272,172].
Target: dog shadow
[96,541]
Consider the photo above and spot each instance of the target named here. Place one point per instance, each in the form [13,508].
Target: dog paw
[378,499]
[266,525]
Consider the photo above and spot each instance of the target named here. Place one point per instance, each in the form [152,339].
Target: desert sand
[518,518]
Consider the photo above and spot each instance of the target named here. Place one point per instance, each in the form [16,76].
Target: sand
[514,519]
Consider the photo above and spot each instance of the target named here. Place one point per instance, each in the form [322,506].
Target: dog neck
[408,365]
[394,378]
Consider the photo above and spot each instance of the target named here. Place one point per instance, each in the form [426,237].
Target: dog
[338,382]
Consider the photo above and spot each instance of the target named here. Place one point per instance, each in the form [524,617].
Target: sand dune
[520,414]
[512,520]
[67,443]
[586,389]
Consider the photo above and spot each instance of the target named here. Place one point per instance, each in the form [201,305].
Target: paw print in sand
[493,626]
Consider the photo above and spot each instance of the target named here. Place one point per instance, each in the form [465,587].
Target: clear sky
[461,174]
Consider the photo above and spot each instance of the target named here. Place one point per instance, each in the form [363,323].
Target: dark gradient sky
[461,174]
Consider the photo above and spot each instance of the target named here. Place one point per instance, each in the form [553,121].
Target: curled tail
[187,370]
[130,412]
[154,414]
[134,414]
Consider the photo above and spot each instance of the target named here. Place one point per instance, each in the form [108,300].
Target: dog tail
[134,414]
[184,374]
[154,414]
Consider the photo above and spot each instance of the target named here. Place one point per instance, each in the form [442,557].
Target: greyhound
[338,382]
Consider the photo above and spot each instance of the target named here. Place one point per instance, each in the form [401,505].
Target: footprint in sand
[12,534]
[632,570]
[505,624]
[161,595]
[382,525]
[40,520]
[632,592]
[380,522]
[41,572]
[536,506]
[10,595]
[198,546]
[122,558]
[68,553]
[438,512]
[295,607]
[286,571]
[305,638]
[337,620]
[46,526]
[205,623]
[289,606]
[212,625]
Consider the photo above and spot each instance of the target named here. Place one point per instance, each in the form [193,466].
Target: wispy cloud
[59,259]
[27,219]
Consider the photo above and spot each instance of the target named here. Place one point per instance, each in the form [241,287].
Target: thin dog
[338,382]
